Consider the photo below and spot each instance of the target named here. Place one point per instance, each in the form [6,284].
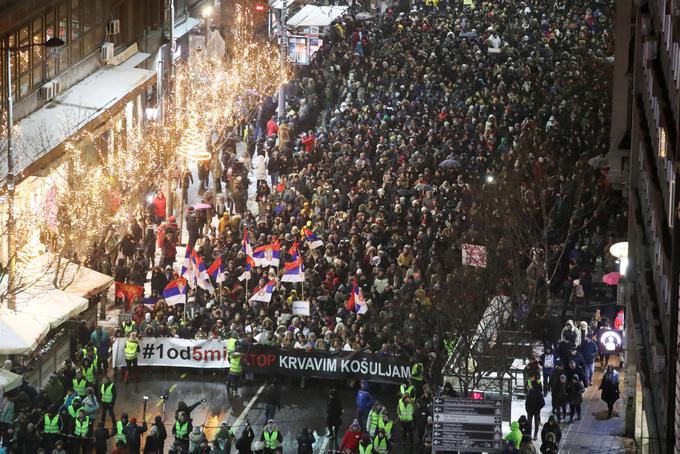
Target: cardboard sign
[301,308]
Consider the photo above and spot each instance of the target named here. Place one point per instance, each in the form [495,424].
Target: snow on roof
[316,16]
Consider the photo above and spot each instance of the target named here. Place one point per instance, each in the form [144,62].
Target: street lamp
[11,180]
[206,13]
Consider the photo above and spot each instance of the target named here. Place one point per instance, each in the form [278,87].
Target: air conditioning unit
[56,86]
[47,91]
[675,8]
[106,52]
[113,27]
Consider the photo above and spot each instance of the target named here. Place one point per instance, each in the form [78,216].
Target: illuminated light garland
[193,145]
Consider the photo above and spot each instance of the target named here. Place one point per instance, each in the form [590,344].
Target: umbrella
[611,278]
[201,206]
[449,163]
[598,162]
[403,192]
[423,187]
[9,380]
[472,35]
[363,16]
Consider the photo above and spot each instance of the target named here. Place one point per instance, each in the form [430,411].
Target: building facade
[648,60]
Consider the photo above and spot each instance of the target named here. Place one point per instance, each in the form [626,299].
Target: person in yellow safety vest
[405,413]
[235,372]
[131,353]
[449,345]
[74,407]
[89,371]
[120,428]
[365,445]
[79,384]
[407,388]
[52,425]
[107,396]
[82,432]
[271,436]
[90,351]
[386,426]
[381,443]
[181,430]
[129,328]
[374,417]
[417,376]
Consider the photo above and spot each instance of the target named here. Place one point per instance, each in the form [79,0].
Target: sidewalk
[593,433]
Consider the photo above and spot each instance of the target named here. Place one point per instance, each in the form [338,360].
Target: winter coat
[588,349]
[575,393]
[610,387]
[535,400]
[334,411]
[515,435]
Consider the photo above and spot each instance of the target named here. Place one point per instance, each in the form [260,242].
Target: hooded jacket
[515,434]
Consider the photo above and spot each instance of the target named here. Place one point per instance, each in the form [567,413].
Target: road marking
[245,411]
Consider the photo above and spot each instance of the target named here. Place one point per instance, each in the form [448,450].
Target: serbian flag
[293,271]
[264,293]
[245,245]
[267,255]
[215,271]
[356,301]
[250,264]
[128,293]
[313,241]
[175,292]
[187,271]
[201,272]
[293,251]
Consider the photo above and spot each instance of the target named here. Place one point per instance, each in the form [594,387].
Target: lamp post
[206,13]
[284,51]
[11,246]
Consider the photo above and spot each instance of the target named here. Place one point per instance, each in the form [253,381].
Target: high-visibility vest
[181,430]
[107,394]
[51,426]
[405,411]
[373,419]
[450,345]
[81,427]
[387,427]
[271,439]
[368,449]
[231,345]
[417,371]
[128,328]
[404,390]
[95,358]
[235,367]
[120,436]
[131,349]
[380,444]
[72,411]
[89,373]
[80,387]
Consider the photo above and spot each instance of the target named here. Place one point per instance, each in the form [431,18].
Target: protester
[610,388]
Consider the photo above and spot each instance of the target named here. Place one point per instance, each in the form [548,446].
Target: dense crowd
[389,135]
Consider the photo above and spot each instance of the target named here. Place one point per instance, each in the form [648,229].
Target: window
[24,57]
[38,52]
[76,43]
[663,143]
[52,55]
[63,31]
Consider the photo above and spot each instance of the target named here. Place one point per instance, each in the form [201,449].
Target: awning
[316,16]
[185,27]
[20,333]
[8,380]
[76,279]
[278,4]
[48,127]
[53,307]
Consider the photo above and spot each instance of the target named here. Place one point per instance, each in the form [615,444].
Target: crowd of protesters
[388,134]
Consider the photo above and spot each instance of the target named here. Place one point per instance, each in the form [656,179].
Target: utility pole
[11,246]
[170,187]
[284,52]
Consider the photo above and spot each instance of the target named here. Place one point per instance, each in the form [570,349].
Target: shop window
[24,61]
[52,55]
[76,42]
[38,52]
[63,30]
[662,149]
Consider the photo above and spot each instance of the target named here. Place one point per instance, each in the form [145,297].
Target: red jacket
[351,440]
[272,128]
[308,142]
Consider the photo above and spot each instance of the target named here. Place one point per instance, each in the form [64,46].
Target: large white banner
[168,351]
